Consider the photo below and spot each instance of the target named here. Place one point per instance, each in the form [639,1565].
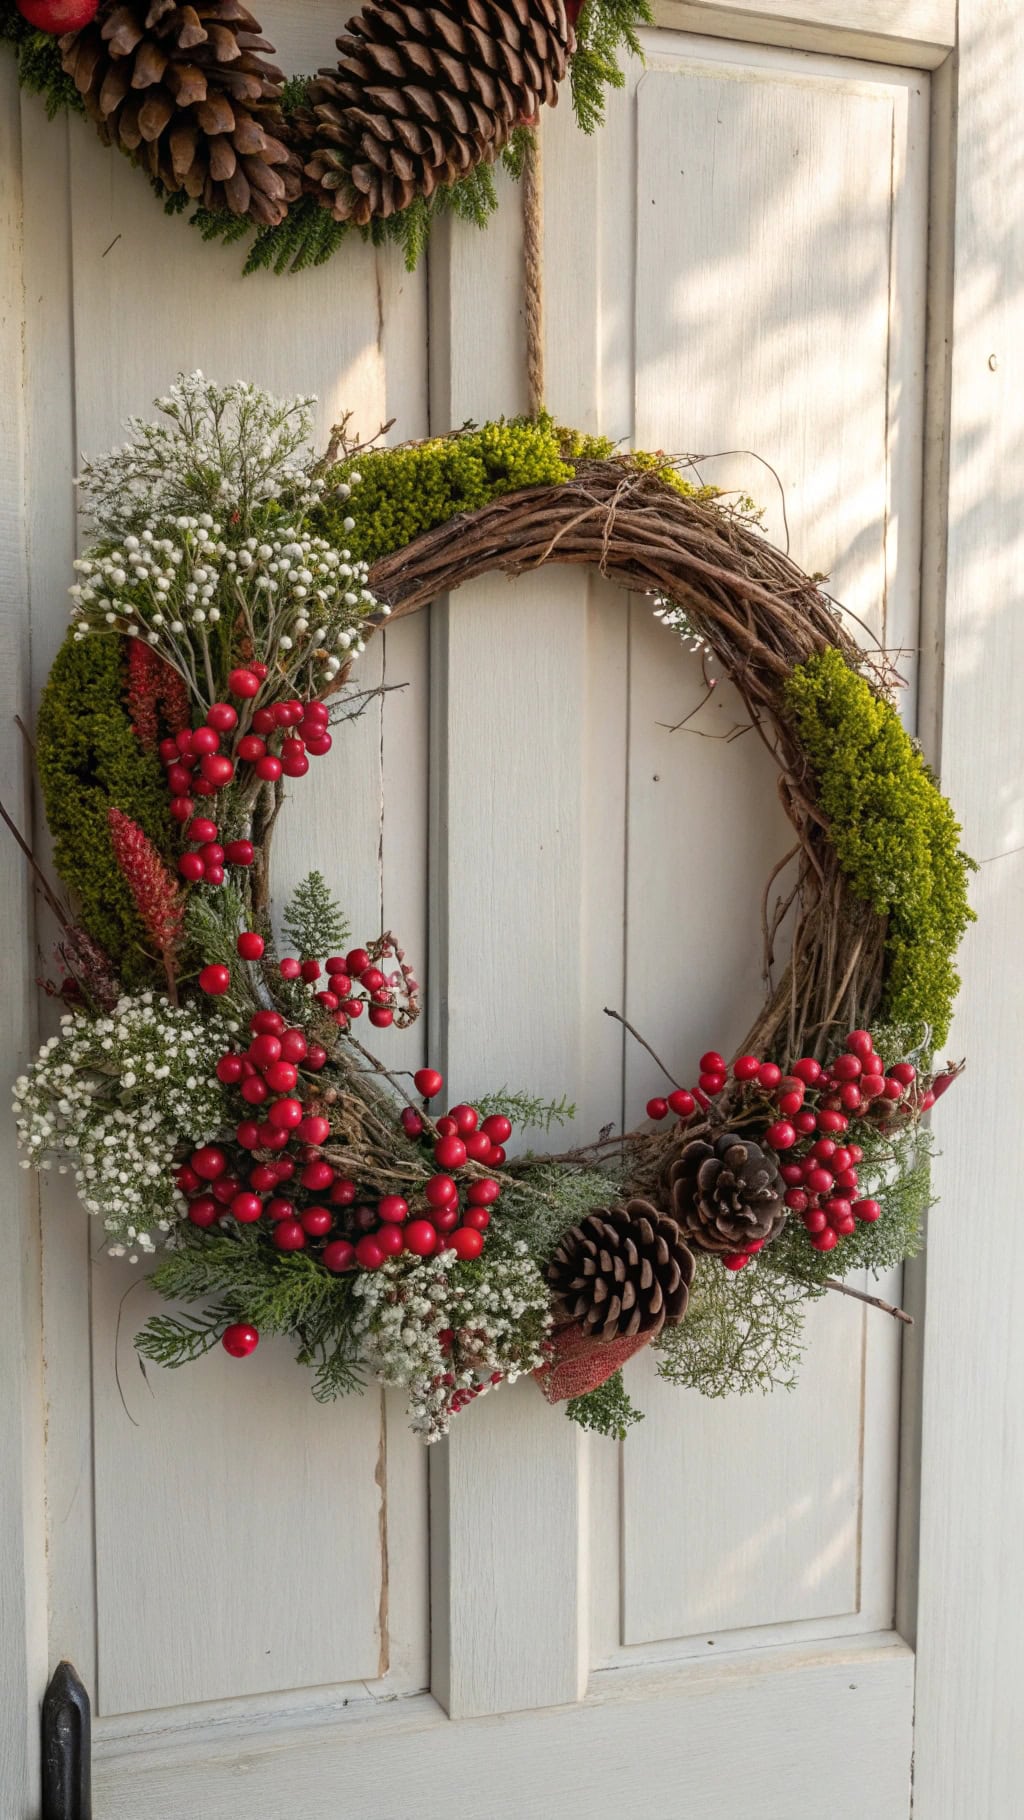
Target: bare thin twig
[873,1301]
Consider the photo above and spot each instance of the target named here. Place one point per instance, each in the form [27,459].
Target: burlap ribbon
[579,1363]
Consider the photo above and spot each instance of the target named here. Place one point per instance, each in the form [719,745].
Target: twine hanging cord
[533,272]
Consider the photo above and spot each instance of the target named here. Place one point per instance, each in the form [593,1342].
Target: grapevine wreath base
[405,125]
[215,1087]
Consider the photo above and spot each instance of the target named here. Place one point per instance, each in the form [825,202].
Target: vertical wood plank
[22,1560]
[970,1751]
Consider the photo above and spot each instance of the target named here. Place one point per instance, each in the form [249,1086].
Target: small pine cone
[188,92]
[727,1195]
[622,1271]
[423,94]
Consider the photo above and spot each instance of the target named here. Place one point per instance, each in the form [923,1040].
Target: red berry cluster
[196,765]
[339,998]
[814,1107]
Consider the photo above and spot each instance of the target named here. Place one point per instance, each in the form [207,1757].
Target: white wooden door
[284,1609]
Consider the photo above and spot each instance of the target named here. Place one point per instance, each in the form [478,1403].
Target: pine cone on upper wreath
[187,91]
[423,94]
[727,1195]
[622,1271]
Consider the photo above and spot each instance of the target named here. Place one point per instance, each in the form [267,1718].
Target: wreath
[408,124]
[215,1087]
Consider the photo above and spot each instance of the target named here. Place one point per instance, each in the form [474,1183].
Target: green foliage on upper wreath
[88,759]
[404,492]
[895,834]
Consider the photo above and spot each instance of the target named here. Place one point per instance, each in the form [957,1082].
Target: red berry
[357,961]
[860,1042]
[246,1208]
[806,1122]
[209,1162]
[294,1047]
[240,1340]
[712,1083]
[344,1193]
[250,945]
[846,1179]
[466,1242]
[187,1180]
[181,808]
[450,1153]
[201,828]
[929,1100]
[316,1057]
[838,1208]
[223,717]
[329,1000]
[657,1109]
[178,780]
[440,1190]
[497,1156]
[815,1220]
[850,1096]
[217,769]
[393,1207]
[819,1179]
[781,1135]
[712,1063]
[478,1147]
[225,1189]
[288,1235]
[315,1129]
[317,1222]
[825,1240]
[248,1134]
[792,1174]
[191,867]
[244,684]
[381,1016]
[832,1121]
[412,1124]
[428,1082]
[310,971]
[840,1159]
[844,1224]
[390,1240]
[271,1138]
[286,1115]
[735,1260]
[289,968]
[904,1072]
[266,1023]
[204,1211]
[284,1168]
[250,747]
[867,1210]
[745,1067]
[168,750]
[447,1127]
[846,1068]
[446,1218]
[204,740]
[891,1090]
[265,1049]
[369,1254]
[317,744]
[476,1216]
[353,1007]
[240,853]
[255,1090]
[263,721]
[269,768]
[339,1256]
[790,1102]
[335,964]
[769,1075]
[483,1193]
[682,1103]
[259,670]
[796,1199]
[420,1238]
[288,713]
[373,979]
[214,875]
[466,1117]
[317,1175]
[281,1077]
[263,1178]
[855,1152]
[807,1070]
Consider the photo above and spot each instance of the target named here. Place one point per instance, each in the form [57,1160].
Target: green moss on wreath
[895,834]
[88,759]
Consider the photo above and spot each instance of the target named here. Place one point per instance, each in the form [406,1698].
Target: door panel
[736,262]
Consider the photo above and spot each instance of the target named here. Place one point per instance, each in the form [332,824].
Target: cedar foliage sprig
[527,1111]
[604,30]
[609,1410]
[39,63]
[313,922]
[743,1331]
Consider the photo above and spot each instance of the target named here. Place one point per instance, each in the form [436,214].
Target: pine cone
[423,94]
[727,1195]
[622,1271]
[186,90]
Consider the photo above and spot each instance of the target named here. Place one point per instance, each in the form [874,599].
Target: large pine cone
[422,94]
[727,1195]
[187,91]
[622,1271]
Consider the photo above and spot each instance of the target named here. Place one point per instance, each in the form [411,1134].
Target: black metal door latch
[67,1748]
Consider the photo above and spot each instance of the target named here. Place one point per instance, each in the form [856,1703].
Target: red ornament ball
[240,1340]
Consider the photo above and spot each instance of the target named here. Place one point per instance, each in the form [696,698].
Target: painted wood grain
[970,1753]
[673,1735]
[22,1563]
[918,33]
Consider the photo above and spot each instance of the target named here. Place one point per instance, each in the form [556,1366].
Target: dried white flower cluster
[182,585]
[223,449]
[112,1099]
[446,1331]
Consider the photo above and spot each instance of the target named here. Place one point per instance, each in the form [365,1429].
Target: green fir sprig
[313,922]
[609,1410]
[527,1111]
